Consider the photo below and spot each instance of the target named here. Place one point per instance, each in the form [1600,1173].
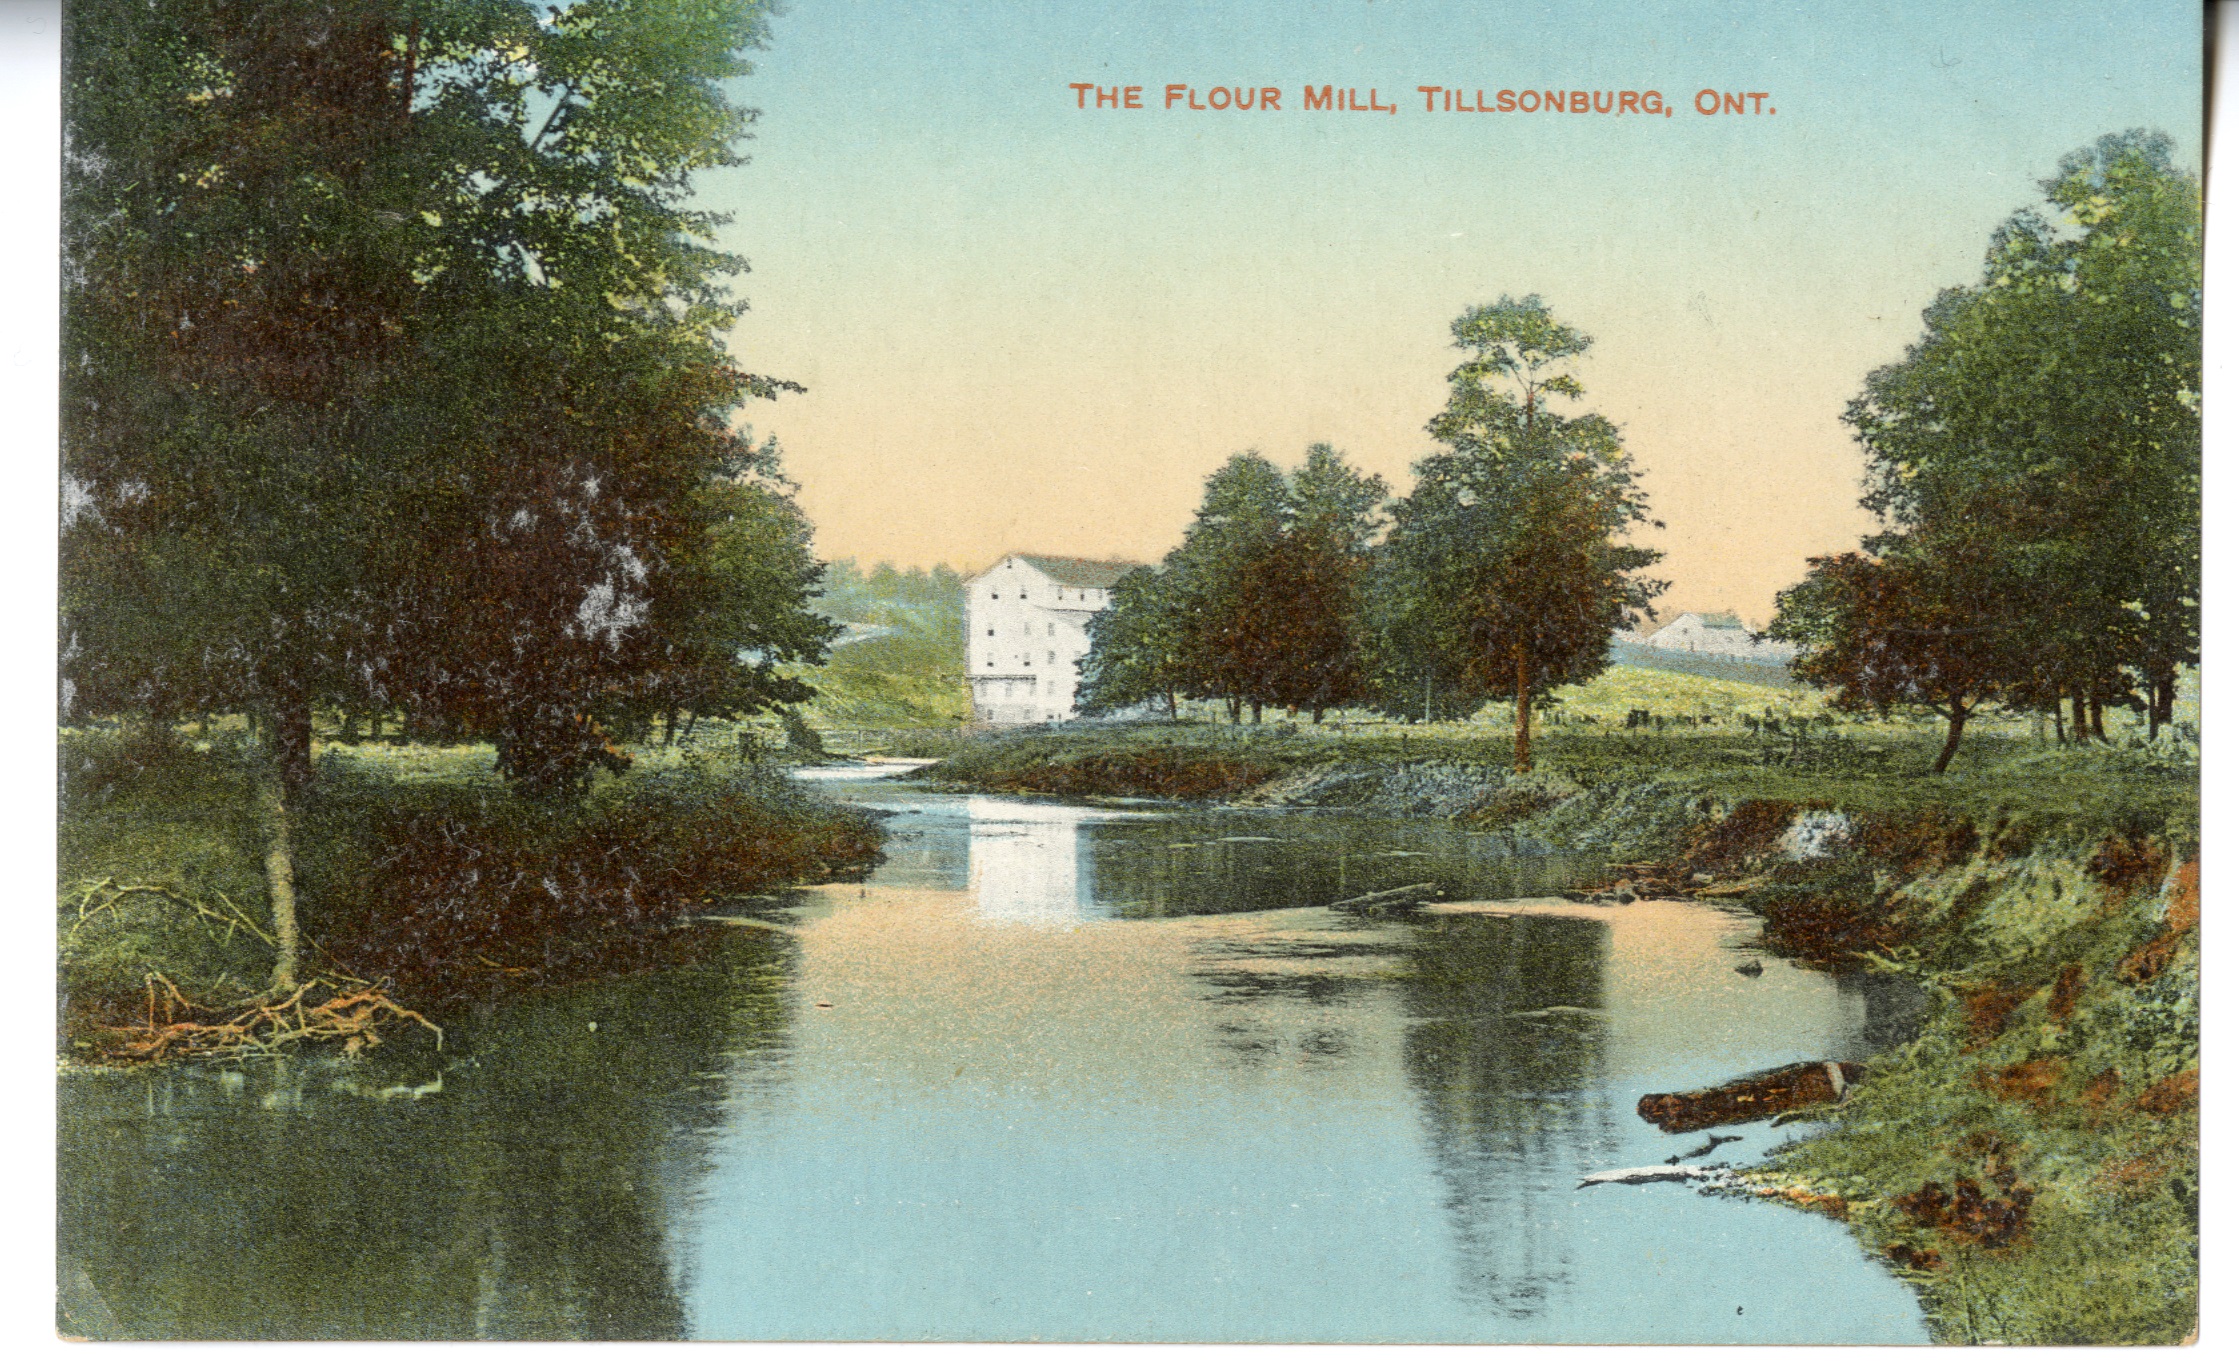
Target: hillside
[902,667]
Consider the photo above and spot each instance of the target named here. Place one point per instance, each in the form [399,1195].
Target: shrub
[454,892]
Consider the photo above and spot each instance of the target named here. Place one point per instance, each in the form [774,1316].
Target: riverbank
[425,885]
[2030,1160]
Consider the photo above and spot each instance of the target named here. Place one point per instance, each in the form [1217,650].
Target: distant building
[1025,630]
[1715,633]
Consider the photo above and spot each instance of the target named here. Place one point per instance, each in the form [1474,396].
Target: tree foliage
[1904,628]
[1259,604]
[395,378]
[1505,572]
[2044,433]
[1135,652]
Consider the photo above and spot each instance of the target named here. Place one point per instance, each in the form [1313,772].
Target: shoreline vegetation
[428,885]
[2030,1159]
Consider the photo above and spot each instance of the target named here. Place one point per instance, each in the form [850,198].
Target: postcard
[1363,671]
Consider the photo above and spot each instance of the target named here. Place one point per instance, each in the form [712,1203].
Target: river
[1055,1071]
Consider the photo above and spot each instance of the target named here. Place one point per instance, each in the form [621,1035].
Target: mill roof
[1078,573]
[1715,621]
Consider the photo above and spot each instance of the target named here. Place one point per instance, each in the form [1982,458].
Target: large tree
[393,368]
[1232,628]
[2050,415]
[1506,570]
[1310,584]
[1135,646]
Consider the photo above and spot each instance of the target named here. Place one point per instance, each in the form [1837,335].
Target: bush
[455,892]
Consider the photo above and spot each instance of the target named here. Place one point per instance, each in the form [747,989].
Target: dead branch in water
[335,1007]
[1756,1096]
[320,1010]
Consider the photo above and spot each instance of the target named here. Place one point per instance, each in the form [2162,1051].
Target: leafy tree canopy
[1506,571]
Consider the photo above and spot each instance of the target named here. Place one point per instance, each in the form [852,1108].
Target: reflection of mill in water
[1026,860]
[1504,1047]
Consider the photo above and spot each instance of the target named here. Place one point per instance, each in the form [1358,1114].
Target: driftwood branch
[106,895]
[1641,1176]
[317,1011]
[1395,899]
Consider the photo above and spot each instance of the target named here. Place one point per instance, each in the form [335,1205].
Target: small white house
[1716,633]
[1025,630]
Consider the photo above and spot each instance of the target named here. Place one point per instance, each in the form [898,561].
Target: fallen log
[1396,899]
[1752,1097]
[1641,1176]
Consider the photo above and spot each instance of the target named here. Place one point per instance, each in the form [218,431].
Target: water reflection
[1299,996]
[1025,860]
[1049,862]
[532,1194]
[1507,1037]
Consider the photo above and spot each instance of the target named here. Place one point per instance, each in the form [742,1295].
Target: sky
[1027,326]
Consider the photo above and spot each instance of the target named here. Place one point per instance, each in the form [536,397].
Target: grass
[909,679]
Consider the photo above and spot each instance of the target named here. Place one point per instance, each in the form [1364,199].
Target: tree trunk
[1255,713]
[1173,712]
[2098,718]
[668,733]
[1236,711]
[2161,701]
[2059,726]
[2078,722]
[279,878]
[1317,716]
[1951,739]
[291,745]
[1523,710]
[290,729]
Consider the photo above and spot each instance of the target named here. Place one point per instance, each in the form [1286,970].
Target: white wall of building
[1025,633]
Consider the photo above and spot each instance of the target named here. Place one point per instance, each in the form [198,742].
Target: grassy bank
[2031,1159]
[419,874]
[1845,765]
